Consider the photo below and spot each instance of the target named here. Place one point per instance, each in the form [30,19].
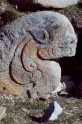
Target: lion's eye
[40,35]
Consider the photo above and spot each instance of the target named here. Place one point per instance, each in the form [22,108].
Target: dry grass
[19,111]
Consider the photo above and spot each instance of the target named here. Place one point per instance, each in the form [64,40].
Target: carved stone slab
[28,48]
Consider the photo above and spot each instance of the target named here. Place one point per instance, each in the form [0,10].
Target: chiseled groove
[10,68]
[22,59]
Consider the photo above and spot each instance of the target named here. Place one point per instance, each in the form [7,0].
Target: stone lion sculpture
[29,47]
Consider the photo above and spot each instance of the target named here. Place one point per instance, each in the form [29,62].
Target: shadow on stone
[46,115]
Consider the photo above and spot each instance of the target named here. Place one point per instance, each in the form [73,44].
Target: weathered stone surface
[7,86]
[26,47]
[38,77]
[29,4]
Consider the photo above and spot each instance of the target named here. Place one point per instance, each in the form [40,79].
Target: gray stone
[68,83]
[27,49]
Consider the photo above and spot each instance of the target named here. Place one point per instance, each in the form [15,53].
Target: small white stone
[53,117]
[52,112]
[2,112]
[24,110]
[58,108]
[16,7]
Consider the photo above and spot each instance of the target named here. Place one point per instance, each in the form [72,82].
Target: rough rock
[2,112]
[28,47]
[68,83]
[29,4]
[3,6]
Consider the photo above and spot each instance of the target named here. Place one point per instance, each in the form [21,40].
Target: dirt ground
[20,111]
